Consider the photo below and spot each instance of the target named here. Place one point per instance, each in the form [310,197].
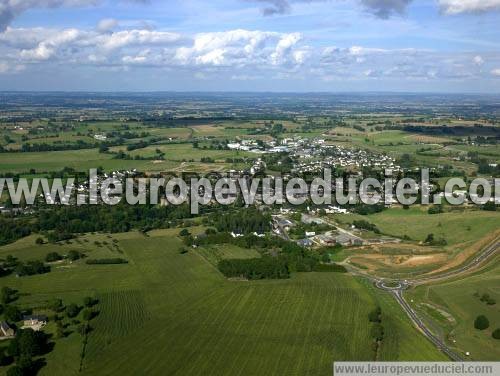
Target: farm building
[6,331]
[35,322]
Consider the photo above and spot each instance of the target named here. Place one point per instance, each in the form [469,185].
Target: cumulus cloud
[468,6]
[386,8]
[380,8]
[107,24]
[234,54]
[239,47]
[273,7]
[10,9]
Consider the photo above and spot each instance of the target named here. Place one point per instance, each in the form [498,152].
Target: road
[396,288]
[397,292]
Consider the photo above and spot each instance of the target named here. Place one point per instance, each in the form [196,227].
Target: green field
[455,227]
[167,312]
[458,299]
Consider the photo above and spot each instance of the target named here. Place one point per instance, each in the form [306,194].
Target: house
[346,239]
[306,243]
[35,322]
[100,137]
[6,331]
[325,239]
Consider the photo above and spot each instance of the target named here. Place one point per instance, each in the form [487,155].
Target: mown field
[172,313]
[459,299]
[456,227]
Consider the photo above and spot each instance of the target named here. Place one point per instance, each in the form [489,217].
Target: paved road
[472,264]
[397,292]
[396,288]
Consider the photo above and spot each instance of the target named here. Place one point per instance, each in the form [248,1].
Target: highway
[397,288]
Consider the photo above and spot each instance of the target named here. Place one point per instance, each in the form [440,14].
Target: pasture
[165,312]
[458,298]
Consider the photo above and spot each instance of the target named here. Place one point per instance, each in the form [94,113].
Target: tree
[73,255]
[490,206]
[4,359]
[429,239]
[72,310]
[88,301]
[496,333]
[481,322]
[374,316]
[184,232]
[15,371]
[377,332]
[55,305]
[53,256]
[12,313]
[6,295]
[28,343]
[87,314]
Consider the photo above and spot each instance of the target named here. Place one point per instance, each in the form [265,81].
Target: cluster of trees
[23,348]
[298,259]
[490,206]
[21,269]
[365,209]
[122,155]
[118,218]
[377,329]
[255,268]
[242,221]
[435,209]
[31,268]
[13,229]
[431,240]
[58,146]
[106,261]
[486,298]
[365,225]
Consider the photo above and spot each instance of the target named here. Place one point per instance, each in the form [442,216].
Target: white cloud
[48,48]
[126,38]
[468,6]
[496,72]
[239,47]
[107,24]
[235,54]
[380,8]
[478,60]
[284,46]
[10,9]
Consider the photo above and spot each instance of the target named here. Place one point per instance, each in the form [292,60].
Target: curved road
[397,287]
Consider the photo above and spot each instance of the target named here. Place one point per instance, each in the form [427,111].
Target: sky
[250,45]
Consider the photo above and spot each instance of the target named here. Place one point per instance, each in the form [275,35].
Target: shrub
[481,322]
[377,332]
[53,256]
[256,268]
[106,261]
[496,333]
[88,301]
[74,255]
[72,310]
[374,316]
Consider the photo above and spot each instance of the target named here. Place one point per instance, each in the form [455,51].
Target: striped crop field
[170,313]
